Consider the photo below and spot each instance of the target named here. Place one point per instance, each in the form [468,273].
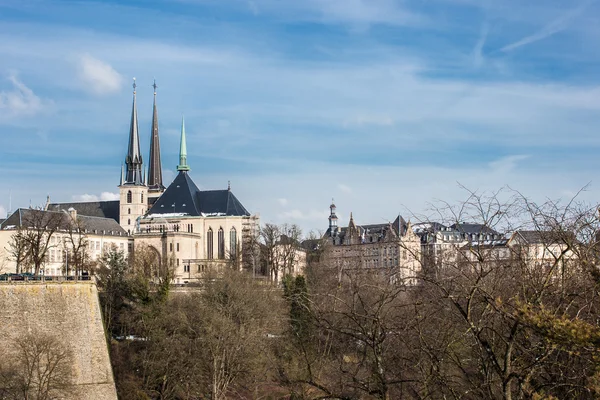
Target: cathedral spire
[183,165]
[133,160]
[154,165]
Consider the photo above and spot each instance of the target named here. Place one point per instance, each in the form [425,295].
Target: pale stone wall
[131,211]
[71,313]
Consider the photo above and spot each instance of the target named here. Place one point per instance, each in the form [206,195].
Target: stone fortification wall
[70,311]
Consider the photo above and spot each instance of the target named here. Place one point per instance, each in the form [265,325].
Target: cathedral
[195,230]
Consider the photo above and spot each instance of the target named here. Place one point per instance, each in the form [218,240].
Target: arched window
[142,198]
[233,243]
[129,196]
[128,222]
[221,239]
[129,211]
[209,244]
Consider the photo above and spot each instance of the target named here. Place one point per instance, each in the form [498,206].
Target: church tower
[133,190]
[155,184]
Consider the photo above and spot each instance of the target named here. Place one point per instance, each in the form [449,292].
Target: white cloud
[2,211]
[85,197]
[21,101]
[104,196]
[98,76]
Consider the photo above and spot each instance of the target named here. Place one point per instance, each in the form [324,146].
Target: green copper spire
[183,166]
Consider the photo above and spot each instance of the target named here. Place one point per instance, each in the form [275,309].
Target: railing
[44,278]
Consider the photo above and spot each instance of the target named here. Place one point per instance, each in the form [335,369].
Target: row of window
[221,244]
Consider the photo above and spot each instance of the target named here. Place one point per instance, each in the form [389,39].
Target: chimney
[72,213]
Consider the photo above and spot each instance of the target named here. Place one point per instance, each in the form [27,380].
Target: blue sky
[386,106]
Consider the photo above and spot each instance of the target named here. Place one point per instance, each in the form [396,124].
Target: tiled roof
[103,209]
[183,196]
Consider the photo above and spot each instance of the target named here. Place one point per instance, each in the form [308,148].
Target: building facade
[392,249]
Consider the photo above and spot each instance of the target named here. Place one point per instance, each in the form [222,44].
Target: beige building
[64,236]
[392,249]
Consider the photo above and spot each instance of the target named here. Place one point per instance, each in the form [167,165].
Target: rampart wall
[69,311]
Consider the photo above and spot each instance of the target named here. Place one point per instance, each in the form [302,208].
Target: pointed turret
[333,219]
[155,183]
[133,160]
[183,165]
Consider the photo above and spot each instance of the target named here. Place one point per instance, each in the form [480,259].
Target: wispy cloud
[98,76]
[508,163]
[478,58]
[20,101]
[555,26]
[344,188]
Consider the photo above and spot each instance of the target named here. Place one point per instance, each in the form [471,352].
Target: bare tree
[212,344]
[18,250]
[269,235]
[32,240]
[76,243]
[39,368]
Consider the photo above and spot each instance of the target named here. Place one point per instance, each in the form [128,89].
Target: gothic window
[232,243]
[209,244]
[142,198]
[129,196]
[221,239]
[177,246]
[170,246]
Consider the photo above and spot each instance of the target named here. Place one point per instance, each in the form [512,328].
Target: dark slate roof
[107,226]
[183,196]
[473,229]
[102,209]
[2,220]
[546,237]
[97,225]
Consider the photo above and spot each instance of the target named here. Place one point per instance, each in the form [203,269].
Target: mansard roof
[24,217]
[102,209]
[183,196]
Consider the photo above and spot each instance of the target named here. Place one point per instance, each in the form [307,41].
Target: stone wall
[70,311]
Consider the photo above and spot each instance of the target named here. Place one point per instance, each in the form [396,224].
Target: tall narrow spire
[183,165]
[133,160]
[154,167]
